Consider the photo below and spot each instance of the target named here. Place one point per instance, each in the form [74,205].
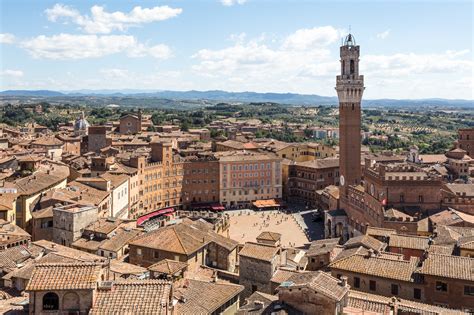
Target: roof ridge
[179,239]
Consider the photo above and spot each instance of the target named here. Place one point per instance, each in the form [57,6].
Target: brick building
[466,140]
[131,124]
[200,181]
[306,178]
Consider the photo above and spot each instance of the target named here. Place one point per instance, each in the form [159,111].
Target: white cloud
[11,73]
[70,46]
[254,64]
[312,37]
[406,64]
[114,73]
[103,22]
[229,3]
[307,61]
[6,38]
[383,35]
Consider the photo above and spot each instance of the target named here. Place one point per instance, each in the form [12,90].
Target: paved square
[246,225]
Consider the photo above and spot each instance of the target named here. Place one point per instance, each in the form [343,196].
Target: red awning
[153,214]
[217,207]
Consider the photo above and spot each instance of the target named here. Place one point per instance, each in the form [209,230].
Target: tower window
[352,66]
[352,106]
[343,67]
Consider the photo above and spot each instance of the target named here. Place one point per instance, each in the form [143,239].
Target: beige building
[248,176]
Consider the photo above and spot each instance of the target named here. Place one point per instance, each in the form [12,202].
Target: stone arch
[71,301]
[50,302]
[329,227]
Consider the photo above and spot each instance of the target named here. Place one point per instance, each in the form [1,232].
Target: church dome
[81,123]
[350,40]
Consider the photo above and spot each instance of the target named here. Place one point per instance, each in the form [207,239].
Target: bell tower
[349,87]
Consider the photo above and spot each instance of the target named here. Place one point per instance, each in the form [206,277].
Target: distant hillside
[30,93]
[246,97]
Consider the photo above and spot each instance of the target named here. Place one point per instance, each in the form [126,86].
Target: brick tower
[349,87]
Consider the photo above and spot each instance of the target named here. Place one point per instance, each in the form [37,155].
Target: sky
[409,49]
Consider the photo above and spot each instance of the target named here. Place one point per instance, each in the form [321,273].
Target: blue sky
[408,49]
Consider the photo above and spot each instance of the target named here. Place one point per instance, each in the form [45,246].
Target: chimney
[371,253]
[343,281]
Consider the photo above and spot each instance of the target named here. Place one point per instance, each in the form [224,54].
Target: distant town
[236,207]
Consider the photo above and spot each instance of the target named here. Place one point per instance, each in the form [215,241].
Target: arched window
[343,67]
[71,301]
[352,67]
[50,301]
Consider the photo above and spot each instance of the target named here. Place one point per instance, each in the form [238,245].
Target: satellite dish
[342,180]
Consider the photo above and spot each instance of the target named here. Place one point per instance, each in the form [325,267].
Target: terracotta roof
[47,141]
[321,247]
[132,297]
[41,180]
[167,266]
[465,190]
[379,266]
[183,238]
[64,276]
[408,241]
[445,249]
[321,163]
[367,241]
[466,242]
[366,302]
[351,251]
[282,275]
[394,213]
[376,231]
[319,281]
[455,267]
[259,251]
[216,295]
[251,306]
[119,240]
[115,180]
[104,226]
[269,236]
[86,244]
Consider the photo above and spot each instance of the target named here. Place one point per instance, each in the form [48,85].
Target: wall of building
[243,181]
[308,301]
[453,298]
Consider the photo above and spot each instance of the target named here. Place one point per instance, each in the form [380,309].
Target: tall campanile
[349,87]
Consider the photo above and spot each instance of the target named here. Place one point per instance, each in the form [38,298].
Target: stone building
[322,252]
[97,139]
[257,264]
[63,287]
[69,222]
[190,242]
[315,293]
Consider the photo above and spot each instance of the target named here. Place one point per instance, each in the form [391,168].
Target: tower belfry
[349,87]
